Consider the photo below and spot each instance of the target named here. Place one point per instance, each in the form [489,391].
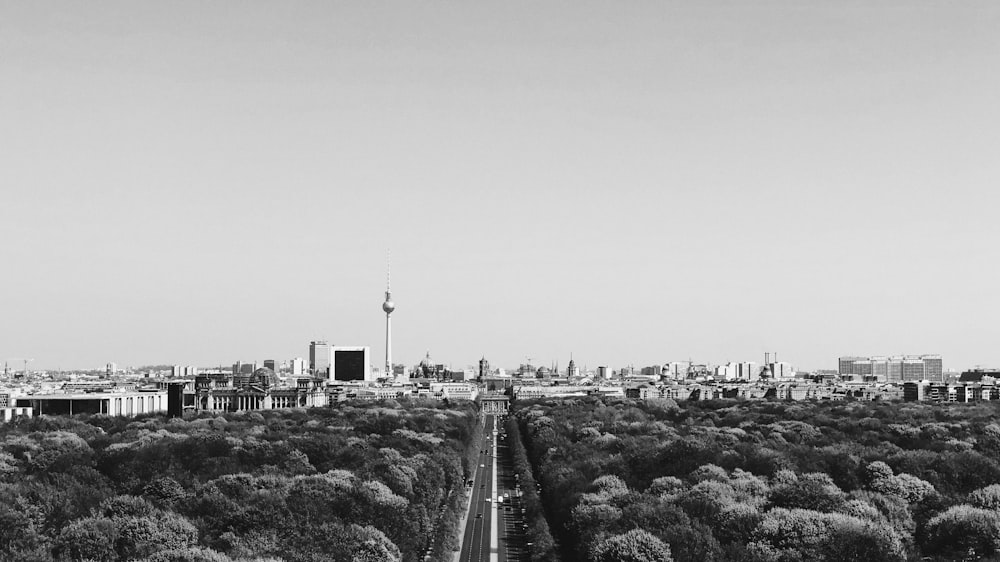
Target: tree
[140,537]
[905,486]
[665,485]
[800,534]
[986,498]
[164,491]
[92,539]
[190,554]
[636,545]
[964,531]
[815,491]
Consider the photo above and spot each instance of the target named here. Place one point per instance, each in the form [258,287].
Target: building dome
[264,376]
[388,306]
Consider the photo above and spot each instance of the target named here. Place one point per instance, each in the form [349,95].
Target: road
[494,531]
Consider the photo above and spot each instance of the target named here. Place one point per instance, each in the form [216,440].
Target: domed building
[428,369]
[265,378]
[259,390]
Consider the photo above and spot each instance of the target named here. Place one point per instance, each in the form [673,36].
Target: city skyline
[627,184]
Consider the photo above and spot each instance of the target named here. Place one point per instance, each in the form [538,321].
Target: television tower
[388,306]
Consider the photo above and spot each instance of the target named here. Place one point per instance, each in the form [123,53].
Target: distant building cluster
[334,373]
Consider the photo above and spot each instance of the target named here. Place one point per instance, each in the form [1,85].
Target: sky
[632,183]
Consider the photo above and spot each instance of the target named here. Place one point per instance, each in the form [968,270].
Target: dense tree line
[541,545]
[360,482]
[733,480]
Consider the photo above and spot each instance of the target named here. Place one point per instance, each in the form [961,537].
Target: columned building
[260,391]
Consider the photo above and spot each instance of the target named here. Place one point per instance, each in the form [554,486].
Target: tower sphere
[388,306]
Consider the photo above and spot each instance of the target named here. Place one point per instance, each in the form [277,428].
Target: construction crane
[6,370]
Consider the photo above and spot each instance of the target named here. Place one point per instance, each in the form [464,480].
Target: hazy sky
[631,182]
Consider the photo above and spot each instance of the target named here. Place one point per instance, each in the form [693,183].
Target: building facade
[259,391]
[320,356]
[128,403]
[896,368]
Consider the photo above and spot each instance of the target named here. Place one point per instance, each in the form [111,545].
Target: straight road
[492,522]
[513,541]
[476,539]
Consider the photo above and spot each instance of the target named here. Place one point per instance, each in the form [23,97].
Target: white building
[748,371]
[782,370]
[674,370]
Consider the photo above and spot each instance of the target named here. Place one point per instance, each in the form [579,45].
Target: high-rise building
[320,355]
[350,363]
[933,368]
[298,366]
[111,369]
[271,364]
[484,368]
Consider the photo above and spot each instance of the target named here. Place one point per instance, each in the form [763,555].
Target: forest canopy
[366,482]
[737,480]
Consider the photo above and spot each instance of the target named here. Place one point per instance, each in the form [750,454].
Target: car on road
[479,516]
[482,466]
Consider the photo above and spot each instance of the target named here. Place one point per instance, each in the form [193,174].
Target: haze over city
[191,183]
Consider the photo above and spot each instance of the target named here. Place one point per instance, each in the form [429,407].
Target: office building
[747,371]
[896,368]
[320,355]
[781,370]
[188,371]
[241,368]
[350,363]
[298,367]
[674,370]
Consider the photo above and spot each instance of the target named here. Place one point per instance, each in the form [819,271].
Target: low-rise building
[119,403]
